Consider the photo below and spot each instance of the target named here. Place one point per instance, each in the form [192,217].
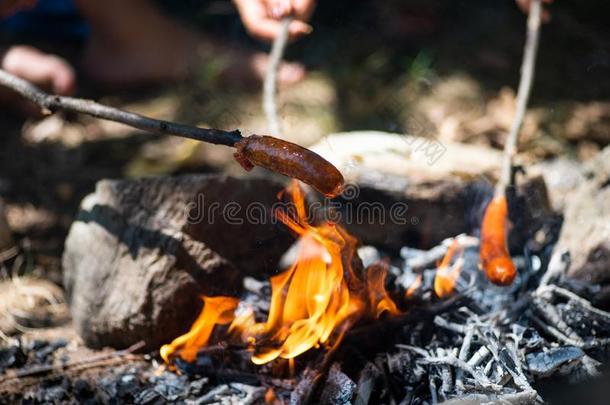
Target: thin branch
[90,361]
[270,84]
[53,103]
[525,85]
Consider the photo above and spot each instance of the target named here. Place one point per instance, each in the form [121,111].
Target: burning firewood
[313,303]
[447,274]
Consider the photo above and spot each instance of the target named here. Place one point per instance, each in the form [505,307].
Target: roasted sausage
[495,259]
[290,160]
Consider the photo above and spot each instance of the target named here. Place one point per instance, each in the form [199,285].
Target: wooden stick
[33,371]
[53,103]
[525,85]
[270,84]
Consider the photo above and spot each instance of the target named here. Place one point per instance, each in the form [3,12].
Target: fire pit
[331,329]
[332,321]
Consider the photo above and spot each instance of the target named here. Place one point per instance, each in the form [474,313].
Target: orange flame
[313,303]
[446,274]
[216,311]
[414,286]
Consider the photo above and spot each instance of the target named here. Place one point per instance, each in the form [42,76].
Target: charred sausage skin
[290,160]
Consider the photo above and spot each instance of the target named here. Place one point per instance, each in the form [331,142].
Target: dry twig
[270,84]
[525,85]
[89,362]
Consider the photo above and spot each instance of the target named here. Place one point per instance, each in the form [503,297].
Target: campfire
[313,303]
[453,329]
[416,267]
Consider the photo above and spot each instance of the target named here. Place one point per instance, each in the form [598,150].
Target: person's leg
[133,42]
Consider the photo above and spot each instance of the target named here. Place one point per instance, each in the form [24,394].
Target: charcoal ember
[366,383]
[127,386]
[53,390]
[82,390]
[165,388]
[196,387]
[149,396]
[545,363]
[338,389]
[302,392]
[529,338]
[12,357]
[585,232]
[170,386]
[46,349]
[235,393]
[53,395]
[119,389]
[141,252]
[202,365]
[402,364]
[519,398]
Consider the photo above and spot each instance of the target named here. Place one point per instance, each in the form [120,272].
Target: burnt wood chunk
[141,252]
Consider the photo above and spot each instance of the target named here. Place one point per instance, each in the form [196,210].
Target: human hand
[262,17]
[9,7]
[525,5]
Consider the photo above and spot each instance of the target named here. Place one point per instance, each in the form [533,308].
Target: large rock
[586,228]
[420,159]
[142,251]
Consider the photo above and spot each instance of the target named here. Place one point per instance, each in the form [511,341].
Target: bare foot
[49,72]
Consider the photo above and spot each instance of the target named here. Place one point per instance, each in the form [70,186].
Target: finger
[278,9]
[63,78]
[298,29]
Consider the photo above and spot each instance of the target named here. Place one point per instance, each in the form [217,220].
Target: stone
[562,175]
[586,227]
[141,252]
[413,191]
[420,159]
